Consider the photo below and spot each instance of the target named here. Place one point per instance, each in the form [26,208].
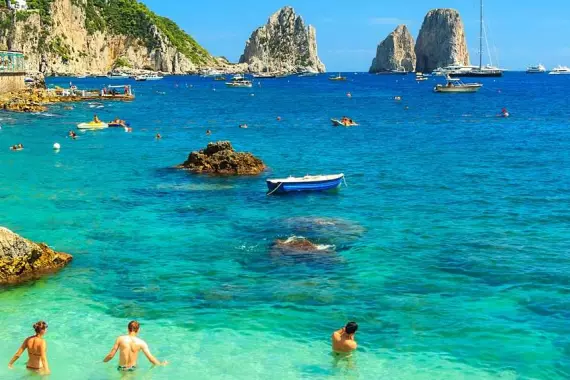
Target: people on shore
[343,342]
[37,350]
[129,347]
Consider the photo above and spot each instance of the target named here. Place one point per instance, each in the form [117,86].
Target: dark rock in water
[220,158]
[298,245]
[22,259]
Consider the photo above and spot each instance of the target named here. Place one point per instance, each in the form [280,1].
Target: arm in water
[18,353]
[149,356]
[111,354]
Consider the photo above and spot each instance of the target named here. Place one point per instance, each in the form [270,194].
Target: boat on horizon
[238,81]
[337,78]
[148,77]
[455,85]
[306,183]
[560,70]
[112,75]
[265,75]
[420,77]
[536,69]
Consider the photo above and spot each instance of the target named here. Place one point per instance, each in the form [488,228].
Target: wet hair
[134,326]
[40,326]
[351,327]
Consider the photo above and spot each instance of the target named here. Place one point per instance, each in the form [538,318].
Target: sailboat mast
[481,39]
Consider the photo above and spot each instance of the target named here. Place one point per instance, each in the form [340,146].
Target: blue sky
[348,31]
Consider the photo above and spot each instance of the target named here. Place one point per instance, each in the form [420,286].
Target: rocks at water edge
[283,45]
[298,245]
[395,52]
[220,158]
[22,259]
[441,41]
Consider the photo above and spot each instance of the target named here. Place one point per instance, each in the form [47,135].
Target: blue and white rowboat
[306,183]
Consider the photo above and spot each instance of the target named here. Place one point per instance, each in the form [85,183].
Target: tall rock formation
[22,259]
[395,52]
[284,44]
[441,41]
[76,36]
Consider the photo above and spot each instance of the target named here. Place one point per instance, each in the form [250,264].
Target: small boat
[456,85]
[220,78]
[337,78]
[92,126]
[28,80]
[309,74]
[265,75]
[536,69]
[340,123]
[560,70]
[399,71]
[306,183]
[112,75]
[239,81]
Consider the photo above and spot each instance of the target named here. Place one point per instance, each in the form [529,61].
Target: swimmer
[129,346]
[158,136]
[343,342]
[243,126]
[348,94]
[278,118]
[397,98]
[504,113]
[37,347]
[208,132]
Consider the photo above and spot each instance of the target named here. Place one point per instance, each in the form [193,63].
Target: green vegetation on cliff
[130,18]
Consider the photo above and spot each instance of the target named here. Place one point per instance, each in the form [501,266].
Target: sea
[449,244]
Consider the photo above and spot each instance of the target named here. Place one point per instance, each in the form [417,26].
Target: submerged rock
[284,44]
[22,259]
[395,52]
[298,245]
[441,41]
[334,229]
[220,158]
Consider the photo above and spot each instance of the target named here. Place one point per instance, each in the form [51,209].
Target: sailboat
[481,71]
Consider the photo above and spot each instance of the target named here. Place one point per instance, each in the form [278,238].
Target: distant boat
[309,73]
[399,71]
[239,81]
[265,75]
[421,77]
[337,78]
[117,76]
[455,85]
[560,70]
[145,77]
[306,183]
[219,78]
[536,69]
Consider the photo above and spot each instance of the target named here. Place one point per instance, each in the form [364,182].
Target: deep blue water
[451,239]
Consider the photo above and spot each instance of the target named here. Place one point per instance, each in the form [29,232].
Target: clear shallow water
[451,238]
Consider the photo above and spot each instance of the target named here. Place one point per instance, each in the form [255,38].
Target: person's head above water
[350,328]
[40,327]
[134,327]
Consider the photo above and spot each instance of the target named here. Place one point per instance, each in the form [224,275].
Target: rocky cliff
[284,44]
[441,41]
[22,259]
[78,36]
[395,52]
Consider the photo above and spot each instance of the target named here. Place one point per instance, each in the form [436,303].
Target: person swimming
[208,132]
[343,342]
[158,136]
[72,134]
[37,350]
[129,347]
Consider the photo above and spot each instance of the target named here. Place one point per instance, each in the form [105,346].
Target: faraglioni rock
[22,259]
[396,52]
[283,45]
[220,158]
[441,41]
[80,36]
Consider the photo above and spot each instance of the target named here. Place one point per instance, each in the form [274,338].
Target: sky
[521,32]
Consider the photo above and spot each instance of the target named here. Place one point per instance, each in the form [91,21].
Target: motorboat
[220,78]
[536,69]
[145,77]
[112,75]
[211,73]
[265,75]
[239,81]
[337,78]
[399,71]
[309,73]
[478,71]
[306,183]
[560,70]
[456,85]
[343,123]
[420,77]
[92,125]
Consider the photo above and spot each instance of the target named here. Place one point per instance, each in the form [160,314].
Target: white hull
[92,126]
[458,89]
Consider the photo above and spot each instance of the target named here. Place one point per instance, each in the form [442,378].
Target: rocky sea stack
[395,52]
[22,259]
[284,44]
[79,36]
[441,41]
[220,158]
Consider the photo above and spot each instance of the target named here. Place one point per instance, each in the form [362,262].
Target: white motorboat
[239,81]
[420,77]
[145,77]
[560,70]
[536,69]
[112,75]
[454,85]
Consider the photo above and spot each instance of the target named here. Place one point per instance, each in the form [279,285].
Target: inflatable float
[92,125]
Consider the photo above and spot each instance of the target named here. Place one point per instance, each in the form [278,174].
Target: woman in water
[37,347]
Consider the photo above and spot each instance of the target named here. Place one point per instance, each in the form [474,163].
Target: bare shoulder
[352,344]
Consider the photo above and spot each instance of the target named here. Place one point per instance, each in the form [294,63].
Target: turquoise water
[451,238]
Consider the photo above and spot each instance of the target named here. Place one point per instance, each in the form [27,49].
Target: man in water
[343,342]
[129,346]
